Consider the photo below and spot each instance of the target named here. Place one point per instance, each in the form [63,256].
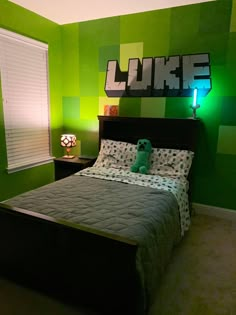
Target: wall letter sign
[160,76]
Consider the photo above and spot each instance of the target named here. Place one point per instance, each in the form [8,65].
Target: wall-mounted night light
[195,106]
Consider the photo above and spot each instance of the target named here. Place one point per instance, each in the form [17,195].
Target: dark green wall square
[228,111]
[215,16]
[178,107]
[130,106]
[214,44]
[108,53]
[151,28]
[226,163]
[184,21]
[193,30]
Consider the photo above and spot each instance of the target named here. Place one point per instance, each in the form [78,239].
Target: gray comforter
[146,215]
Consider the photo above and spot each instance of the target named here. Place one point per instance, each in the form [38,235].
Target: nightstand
[66,167]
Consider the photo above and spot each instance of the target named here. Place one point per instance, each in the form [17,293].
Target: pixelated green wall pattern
[192,29]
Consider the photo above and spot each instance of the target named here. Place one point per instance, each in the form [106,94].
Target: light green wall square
[71,110]
[88,136]
[107,101]
[89,76]
[127,51]
[70,65]
[153,107]
[227,140]
[233,17]
[88,107]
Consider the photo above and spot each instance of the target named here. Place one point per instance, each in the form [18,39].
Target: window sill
[18,168]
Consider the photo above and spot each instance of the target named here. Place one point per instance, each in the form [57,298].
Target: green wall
[207,27]
[78,55]
[19,20]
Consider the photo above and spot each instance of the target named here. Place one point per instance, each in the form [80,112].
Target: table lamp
[68,141]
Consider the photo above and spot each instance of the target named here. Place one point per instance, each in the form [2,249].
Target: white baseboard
[217,212]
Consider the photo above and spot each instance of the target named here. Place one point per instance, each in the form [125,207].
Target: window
[24,81]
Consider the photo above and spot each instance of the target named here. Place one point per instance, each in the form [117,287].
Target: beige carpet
[200,280]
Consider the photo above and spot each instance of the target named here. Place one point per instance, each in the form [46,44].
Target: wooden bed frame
[77,264]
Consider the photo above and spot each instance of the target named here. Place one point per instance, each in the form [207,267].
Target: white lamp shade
[68,140]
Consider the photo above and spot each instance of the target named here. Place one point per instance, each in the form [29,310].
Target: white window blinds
[24,81]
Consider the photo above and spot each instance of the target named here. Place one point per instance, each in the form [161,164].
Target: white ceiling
[70,11]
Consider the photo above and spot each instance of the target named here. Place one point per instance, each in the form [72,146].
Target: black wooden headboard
[162,132]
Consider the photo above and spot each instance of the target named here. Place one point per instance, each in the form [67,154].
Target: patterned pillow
[164,162]
[171,162]
[116,154]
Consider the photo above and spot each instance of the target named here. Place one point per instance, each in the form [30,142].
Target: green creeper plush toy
[142,162]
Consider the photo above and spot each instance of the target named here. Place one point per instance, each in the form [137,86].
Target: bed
[112,253]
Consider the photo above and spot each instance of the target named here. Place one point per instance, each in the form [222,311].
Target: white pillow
[116,154]
[171,162]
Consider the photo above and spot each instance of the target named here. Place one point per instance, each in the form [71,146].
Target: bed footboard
[75,265]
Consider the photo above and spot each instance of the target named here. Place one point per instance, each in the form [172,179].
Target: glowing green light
[195,98]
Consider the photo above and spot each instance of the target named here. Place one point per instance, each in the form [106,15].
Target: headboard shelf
[177,133]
